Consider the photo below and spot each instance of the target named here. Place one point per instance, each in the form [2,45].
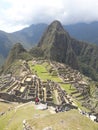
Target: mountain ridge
[31,35]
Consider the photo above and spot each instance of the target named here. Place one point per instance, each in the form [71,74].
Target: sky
[18,14]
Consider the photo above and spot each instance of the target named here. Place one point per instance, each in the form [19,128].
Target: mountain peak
[55,26]
[51,33]
[14,53]
[56,45]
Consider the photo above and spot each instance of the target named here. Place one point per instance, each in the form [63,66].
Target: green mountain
[31,35]
[17,52]
[56,45]
[87,55]
[5,45]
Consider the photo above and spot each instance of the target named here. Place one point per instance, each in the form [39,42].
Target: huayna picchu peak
[52,30]
[56,26]
[56,45]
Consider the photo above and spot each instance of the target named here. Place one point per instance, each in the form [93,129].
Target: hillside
[44,119]
[13,119]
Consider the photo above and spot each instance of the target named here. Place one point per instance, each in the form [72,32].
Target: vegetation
[38,119]
[13,119]
[16,53]
[71,120]
[36,52]
[41,71]
[5,106]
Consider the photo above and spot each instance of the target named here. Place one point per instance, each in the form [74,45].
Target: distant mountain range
[30,36]
[27,37]
[57,45]
[84,32]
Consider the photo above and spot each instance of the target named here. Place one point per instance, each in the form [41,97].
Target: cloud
[17,14]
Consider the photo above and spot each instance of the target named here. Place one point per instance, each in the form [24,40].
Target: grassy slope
[43,73]
[5,106]
[13,119]
[70,120]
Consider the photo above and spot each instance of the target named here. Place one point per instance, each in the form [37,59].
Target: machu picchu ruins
[28,85]
[58,87]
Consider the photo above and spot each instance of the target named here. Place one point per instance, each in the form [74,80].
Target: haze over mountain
[30,36]
[84,31]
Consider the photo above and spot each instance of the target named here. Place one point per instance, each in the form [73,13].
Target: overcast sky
[17,14]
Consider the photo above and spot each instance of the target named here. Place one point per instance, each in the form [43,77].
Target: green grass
[5,106]
[5,119]
[12,120]
[67,88]
[43,73]
[71,120]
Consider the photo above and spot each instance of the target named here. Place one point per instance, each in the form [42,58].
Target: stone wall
[13,98]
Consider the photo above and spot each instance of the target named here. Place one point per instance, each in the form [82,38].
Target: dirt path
[17,107]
